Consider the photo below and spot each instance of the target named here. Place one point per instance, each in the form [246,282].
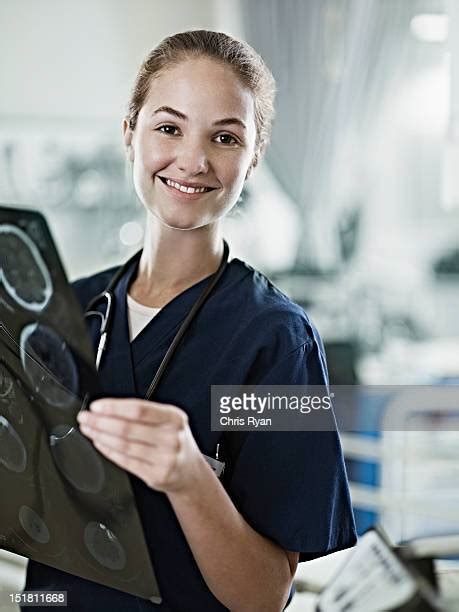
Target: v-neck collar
[158,331]
[123,356]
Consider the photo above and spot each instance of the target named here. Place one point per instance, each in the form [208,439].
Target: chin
[180,222]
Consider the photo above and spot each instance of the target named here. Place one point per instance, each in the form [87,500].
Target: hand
[148,439]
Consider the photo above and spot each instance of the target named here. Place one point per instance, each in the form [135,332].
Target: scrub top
[289,486]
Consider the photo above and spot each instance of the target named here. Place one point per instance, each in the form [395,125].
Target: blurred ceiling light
[430,27]
[423,105]
[131,233]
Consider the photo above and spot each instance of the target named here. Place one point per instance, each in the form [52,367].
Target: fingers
[156,474]
[152,445]
[132,430]
[145,438]
[135,409]
[137,450]
[163,434]
[136,466]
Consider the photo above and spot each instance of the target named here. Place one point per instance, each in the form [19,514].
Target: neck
[173,260]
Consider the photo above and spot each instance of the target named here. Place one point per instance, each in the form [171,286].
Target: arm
[243,569]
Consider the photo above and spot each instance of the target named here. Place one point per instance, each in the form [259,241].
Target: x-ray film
[62,504]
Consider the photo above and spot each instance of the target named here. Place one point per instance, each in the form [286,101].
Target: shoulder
[264,307]
[261,295]
[87,287]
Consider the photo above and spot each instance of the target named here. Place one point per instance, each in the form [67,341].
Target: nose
[192,158]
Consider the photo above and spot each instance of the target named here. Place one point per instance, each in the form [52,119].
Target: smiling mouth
[185,188]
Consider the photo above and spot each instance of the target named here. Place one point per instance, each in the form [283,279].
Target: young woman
[199,120]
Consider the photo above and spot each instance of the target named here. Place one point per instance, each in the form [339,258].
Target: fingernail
[82,417]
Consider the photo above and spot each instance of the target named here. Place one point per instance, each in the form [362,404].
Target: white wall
[62,58]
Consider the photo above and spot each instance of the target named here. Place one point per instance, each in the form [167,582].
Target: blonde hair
[246,63]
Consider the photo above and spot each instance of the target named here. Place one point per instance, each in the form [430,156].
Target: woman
[199,120]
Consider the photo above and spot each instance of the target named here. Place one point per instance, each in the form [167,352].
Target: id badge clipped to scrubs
[217,466]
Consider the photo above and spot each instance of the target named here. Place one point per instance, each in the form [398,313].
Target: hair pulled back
[246,63]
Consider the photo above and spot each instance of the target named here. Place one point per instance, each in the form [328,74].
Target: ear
[251,167]
[127,136]
[254,163]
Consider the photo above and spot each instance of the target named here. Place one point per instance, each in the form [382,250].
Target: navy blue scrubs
[290,487]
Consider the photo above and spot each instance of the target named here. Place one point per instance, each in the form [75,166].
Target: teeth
[185,189]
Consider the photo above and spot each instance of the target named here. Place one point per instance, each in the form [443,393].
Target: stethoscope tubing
[107,296]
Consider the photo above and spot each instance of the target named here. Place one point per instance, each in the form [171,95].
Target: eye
[169,129]
[226,139]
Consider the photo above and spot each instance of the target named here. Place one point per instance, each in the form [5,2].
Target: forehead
[201,88]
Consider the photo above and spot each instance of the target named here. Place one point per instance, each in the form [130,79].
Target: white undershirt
[139,316]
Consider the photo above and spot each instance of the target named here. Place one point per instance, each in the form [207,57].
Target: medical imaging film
[63,504]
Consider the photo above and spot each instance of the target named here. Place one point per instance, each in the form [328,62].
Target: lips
[186,187]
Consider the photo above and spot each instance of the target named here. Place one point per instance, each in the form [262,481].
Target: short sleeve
[292,486]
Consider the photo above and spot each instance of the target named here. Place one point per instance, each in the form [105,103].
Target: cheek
[235,172]
[151,157]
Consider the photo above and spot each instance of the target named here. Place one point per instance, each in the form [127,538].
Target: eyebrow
[180,115]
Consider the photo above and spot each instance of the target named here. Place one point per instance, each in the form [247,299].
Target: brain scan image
[11,397]
[13,454]
[49,364]
[64,505]
[6,383]
[33,525]
[104,546]
[76,459]
[23,271]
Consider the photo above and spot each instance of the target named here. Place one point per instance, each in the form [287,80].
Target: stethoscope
[107,297]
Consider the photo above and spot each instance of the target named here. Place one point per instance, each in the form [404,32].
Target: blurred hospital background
[354,212]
